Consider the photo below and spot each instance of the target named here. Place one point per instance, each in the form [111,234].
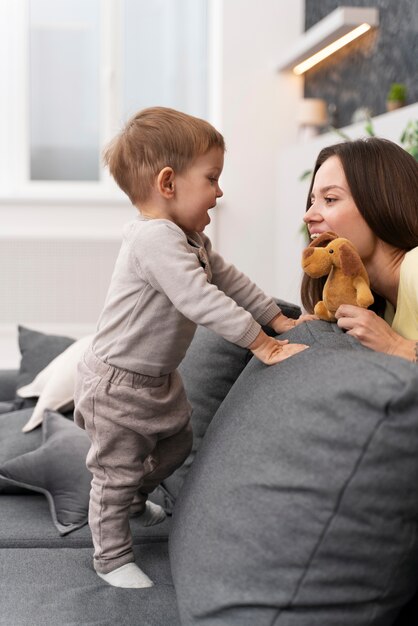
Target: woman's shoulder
[409,275]
[410,262]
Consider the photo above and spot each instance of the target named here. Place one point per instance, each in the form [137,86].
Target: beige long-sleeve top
[405,320]
[166,283]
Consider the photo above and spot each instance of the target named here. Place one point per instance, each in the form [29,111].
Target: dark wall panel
[360,74]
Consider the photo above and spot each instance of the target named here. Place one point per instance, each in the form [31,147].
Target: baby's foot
[153,514]
[128,576]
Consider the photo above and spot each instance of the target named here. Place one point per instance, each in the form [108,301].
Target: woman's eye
[329,200]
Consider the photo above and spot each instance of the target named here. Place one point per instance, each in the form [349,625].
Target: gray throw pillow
[57,468]
[13,442]
[8,379]
[210,368]
[37,350]
[6,407]
[301,508]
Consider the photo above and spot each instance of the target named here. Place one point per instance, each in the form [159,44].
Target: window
[77,69]
[64,103]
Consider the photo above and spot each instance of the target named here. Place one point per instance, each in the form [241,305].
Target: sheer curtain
[161,60]
[64,89]
[165,55]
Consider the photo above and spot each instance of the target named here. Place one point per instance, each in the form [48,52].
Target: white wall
[254,110]
[251,103]
[257,223]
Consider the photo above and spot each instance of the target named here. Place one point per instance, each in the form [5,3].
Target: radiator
[52,281]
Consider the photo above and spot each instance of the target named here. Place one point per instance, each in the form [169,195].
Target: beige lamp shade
[312,112]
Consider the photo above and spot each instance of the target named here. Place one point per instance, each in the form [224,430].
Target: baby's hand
[271,351]
[306,317]
[281,323]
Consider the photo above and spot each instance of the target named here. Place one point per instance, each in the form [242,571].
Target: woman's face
[333,208]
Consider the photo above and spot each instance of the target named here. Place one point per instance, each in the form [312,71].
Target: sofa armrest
[8,383]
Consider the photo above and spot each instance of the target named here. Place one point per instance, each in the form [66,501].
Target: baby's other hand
[281,323]
[306,317]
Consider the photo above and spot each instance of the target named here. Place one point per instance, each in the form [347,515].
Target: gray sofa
[298,505]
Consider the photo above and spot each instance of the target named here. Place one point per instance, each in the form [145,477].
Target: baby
[167,280]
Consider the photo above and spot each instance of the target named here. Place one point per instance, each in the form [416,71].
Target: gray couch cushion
[6,407]
[13,442]
[209,369]
[25,522]
[37,350]
[8,380]
[53,587]
[301,508]
[58,470]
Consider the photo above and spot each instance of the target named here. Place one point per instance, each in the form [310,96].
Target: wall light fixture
[327,36]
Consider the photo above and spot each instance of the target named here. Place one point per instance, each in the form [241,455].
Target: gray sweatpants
[140,432]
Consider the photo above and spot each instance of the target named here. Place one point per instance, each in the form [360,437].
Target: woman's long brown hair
[383,181]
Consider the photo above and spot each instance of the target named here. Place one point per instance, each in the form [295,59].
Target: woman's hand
[373,332]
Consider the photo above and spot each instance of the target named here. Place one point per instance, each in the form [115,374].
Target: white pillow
[54,386]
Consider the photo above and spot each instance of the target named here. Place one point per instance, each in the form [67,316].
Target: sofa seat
[297,505]
[57,586]
[20,530]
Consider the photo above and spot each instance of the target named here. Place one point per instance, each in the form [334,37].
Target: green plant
[397,93]
[409,138]
[368,129]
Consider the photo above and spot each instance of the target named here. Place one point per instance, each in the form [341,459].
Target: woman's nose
[219,192]
[310,214]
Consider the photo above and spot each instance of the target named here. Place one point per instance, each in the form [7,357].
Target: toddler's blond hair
[155,138]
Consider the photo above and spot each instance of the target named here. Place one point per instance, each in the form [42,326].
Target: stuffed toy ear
[323,240]
[351,263]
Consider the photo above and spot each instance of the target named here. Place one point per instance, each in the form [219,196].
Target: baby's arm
[271,351]
[171,268]
[248,295]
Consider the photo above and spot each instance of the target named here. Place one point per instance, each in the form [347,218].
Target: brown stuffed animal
[347,282]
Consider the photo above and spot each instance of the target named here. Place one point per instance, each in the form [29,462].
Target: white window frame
[15,184]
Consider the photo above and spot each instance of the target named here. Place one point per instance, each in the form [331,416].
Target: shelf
[343,24]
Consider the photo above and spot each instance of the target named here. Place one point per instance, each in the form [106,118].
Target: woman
[367,191]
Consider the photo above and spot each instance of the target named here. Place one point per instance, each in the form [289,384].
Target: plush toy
[347,282]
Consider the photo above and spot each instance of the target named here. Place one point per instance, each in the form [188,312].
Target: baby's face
[197,190]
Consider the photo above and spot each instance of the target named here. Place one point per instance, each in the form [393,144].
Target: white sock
[153,514]
[128,576]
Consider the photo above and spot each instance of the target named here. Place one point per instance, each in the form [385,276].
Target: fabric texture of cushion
[55,384]
[46,586]
[14,443]
[25,522]
[301,507]
[210,368]
[6,407]
[37,350]
[8,379]
[58,470]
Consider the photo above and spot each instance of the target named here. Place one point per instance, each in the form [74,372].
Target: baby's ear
[323,240]
[165,182]
[351,263]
